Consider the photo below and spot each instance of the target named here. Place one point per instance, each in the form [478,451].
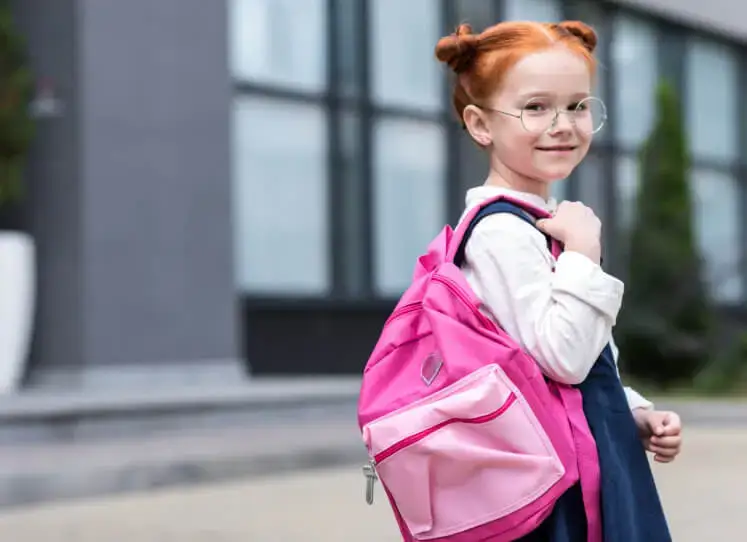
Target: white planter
[17,304]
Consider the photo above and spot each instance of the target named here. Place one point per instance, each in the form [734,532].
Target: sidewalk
[265,442]
[703,493]
[133,442]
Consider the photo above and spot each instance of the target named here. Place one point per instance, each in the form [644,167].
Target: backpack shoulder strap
[500,206]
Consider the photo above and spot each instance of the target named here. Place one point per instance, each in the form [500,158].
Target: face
[536,86]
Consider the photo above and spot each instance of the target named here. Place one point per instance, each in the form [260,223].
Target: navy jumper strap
[497,207]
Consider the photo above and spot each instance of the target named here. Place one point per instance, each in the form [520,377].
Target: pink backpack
[470,441]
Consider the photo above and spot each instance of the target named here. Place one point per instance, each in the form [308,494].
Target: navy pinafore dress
[631,509]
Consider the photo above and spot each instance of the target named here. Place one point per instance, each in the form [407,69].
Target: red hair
[481,61]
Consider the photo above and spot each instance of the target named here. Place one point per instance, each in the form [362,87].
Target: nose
[561,123]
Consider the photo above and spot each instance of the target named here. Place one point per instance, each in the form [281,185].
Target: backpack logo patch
[431,367]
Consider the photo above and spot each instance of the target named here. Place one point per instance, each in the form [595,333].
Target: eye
[536,107]
[578,106]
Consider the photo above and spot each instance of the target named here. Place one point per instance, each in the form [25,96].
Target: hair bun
[459,49]
[582,31]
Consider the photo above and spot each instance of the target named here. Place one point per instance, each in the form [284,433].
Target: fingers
[670,425]
[663,459]
[666,442]
[664,424]
[665,449]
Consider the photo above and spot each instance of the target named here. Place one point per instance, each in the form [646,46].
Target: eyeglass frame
[554,121]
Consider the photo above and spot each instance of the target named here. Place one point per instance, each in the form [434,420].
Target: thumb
[550,227]
[658,425]
[545,225]
[670,424]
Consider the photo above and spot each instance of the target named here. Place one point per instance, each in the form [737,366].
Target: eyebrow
[547,94]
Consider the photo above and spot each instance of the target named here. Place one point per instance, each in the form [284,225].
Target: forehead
[554,71]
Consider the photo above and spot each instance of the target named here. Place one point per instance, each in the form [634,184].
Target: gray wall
[130,191]
[725,16]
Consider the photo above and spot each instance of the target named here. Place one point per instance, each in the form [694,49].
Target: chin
[552,174]
[551,168]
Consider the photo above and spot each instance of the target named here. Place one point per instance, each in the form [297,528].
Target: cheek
[584,144]
[516,150]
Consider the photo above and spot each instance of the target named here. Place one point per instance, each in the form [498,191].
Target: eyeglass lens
[588,115]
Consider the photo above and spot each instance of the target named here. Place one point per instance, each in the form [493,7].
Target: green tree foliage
[664,328]
[16,123]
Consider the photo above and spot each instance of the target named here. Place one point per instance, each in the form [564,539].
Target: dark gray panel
[156,173]
[130,191]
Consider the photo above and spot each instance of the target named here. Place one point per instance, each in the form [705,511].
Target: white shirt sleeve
[563,319]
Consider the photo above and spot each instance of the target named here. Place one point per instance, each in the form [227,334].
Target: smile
[558,148]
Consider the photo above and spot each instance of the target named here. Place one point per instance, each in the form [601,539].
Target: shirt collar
[479,194]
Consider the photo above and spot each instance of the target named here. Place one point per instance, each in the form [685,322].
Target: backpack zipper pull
[369,471]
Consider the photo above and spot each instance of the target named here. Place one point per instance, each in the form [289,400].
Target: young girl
[523,92]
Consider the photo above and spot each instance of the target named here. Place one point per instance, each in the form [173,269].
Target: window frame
[670,60]
[317,87]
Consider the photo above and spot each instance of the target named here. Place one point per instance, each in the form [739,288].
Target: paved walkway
[704,493]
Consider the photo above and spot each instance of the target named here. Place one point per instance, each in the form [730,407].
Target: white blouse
[562,318]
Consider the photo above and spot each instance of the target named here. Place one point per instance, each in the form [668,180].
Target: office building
[252,180]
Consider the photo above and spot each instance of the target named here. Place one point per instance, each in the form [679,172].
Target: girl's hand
[577,227]
[661,432]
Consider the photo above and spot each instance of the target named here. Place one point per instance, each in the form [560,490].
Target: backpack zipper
[369,469]
[417,437]
[455,289]
[404,309]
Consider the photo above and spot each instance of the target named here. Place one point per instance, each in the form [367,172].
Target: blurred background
[209,208]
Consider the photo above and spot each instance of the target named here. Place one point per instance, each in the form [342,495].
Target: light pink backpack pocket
[478,435]
[469,440]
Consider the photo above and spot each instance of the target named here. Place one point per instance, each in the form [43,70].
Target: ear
[475,121]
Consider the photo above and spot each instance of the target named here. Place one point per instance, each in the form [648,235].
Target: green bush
[664,327]
[727,372]
[16,124]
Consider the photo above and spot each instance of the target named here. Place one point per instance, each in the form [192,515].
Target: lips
[558,148]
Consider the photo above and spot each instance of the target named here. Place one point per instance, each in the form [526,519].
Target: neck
[502,176]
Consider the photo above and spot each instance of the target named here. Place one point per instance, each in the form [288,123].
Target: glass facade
[347,158]
[408,173]
[284,203]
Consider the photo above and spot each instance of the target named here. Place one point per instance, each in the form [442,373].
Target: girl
[523,92]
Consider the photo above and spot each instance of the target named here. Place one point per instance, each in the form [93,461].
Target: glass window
[279,42]
[711,108]
[532,10]
[474,165]
[634,63]
[626,191]
[280,197]
[409,198]
[716,204]
[590,179]
[403,40]
[478,13]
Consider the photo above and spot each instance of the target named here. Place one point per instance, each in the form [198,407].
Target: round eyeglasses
[587,116]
